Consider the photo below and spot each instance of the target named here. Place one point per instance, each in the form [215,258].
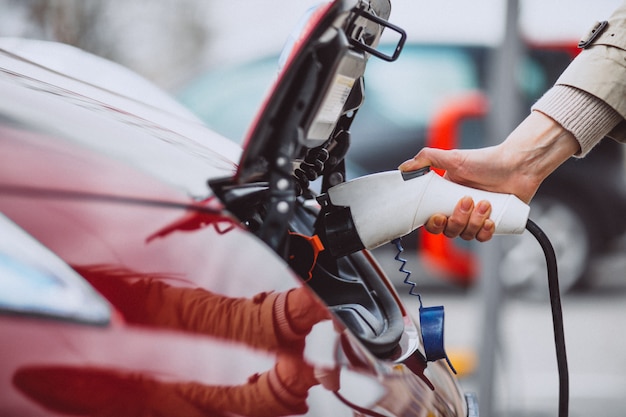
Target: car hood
[36,97]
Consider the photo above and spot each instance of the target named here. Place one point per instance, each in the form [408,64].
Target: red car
[148,266]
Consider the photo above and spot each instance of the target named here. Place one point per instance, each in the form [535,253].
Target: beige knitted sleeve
[587,117]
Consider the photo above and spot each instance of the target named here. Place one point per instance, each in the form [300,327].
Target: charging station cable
[557,315]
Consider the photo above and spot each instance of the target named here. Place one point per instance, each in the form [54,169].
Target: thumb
[433,157]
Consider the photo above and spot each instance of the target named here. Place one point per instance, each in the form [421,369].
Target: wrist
[537,147]
[542,145]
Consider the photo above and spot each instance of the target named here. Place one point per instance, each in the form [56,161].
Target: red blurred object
[438,251]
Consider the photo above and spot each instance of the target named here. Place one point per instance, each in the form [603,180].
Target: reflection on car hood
[91,70]
[38,98]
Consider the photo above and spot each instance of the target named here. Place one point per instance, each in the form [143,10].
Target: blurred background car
[437,95]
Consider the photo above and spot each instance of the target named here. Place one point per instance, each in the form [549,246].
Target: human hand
[473,168]
[468,221]
[517,166]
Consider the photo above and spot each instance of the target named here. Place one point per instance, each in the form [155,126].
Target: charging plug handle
[387,205]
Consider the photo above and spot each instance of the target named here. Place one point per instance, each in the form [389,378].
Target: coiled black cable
[310,169]
[557,315]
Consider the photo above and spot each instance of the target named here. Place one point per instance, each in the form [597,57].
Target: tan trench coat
[600,69]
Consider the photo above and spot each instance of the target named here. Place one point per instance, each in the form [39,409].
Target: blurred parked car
[436,95]
[149,266]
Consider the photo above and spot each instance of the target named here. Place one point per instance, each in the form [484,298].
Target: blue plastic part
[431,318]
[432,324]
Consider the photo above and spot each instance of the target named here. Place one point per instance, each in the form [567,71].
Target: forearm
[534,150]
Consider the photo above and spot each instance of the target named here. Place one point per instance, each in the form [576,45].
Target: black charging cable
[557,315]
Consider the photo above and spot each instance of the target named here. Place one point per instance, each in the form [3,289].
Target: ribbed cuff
[281,319]
[588,118]
[283,393]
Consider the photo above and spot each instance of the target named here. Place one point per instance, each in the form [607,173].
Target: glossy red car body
[127,288]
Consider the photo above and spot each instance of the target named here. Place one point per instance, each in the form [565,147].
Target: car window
[227,99]
[532,79]
[33,281]
[408,91]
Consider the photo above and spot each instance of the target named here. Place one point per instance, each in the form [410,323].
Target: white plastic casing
[385,206]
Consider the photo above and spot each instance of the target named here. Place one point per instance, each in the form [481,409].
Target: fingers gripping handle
[385,206]
[509,213]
